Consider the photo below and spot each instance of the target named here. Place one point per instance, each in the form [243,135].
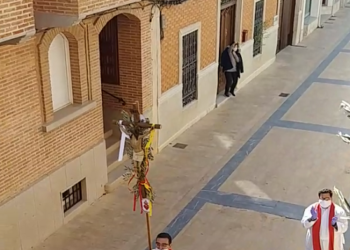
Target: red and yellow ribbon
[144,183]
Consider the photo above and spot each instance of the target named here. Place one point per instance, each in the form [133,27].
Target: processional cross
[140,133]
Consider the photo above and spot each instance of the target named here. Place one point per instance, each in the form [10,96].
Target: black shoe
[233,93]
[227,95]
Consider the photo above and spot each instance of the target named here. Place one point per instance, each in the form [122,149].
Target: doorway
[121,76]
[286,23]
[227,35]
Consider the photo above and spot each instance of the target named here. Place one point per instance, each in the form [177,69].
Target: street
[250,167]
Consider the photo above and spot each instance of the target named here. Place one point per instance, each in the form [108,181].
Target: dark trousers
[231,82]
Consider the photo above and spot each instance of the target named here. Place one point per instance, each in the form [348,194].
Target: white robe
[324,234]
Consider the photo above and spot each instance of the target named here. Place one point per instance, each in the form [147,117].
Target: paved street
[250,167]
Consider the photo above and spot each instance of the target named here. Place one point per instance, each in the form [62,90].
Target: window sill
[68,114]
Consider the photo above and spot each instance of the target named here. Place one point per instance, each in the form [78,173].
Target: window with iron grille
[72,196]
[258,27]
[189,67]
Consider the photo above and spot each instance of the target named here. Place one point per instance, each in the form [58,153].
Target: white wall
[174,117]
[255,65]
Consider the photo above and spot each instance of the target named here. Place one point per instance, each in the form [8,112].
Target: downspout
[87,58]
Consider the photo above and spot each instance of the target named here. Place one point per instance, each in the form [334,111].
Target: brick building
[189,64]
[63,84]
[181,103]
[60,88]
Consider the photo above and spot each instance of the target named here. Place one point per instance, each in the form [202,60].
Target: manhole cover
[180,145]
[284,94]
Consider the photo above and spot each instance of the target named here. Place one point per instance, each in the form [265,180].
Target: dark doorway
[286,23]
[227,34]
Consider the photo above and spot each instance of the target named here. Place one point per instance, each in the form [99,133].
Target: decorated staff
[139,132]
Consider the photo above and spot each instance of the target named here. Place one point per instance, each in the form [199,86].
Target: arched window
[60,74]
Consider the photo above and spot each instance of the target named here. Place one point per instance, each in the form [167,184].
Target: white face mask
[325,204]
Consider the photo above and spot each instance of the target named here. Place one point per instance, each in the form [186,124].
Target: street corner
[221,227]
[303,163]
[318,106]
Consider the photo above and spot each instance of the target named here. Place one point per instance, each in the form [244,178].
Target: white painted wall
[255,65]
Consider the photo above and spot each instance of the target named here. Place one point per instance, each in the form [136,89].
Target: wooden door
[109,59]
[286,22]
[227,36]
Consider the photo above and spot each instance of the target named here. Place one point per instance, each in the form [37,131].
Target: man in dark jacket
[232,66]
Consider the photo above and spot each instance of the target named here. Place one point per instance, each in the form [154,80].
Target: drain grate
[284,94]
[180,145]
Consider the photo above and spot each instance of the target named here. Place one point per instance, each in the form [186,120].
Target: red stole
[316,228]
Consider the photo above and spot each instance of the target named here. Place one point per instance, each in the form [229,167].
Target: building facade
[189,65]
[310,14]
[61,86]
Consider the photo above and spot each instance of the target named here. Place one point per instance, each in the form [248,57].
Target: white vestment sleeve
[307,215]
[342,223]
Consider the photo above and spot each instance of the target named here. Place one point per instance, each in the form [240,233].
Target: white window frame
[183,32]
[69,74]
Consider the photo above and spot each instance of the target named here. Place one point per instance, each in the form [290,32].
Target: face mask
[325,204]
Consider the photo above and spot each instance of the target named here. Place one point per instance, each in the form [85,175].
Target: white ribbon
[123,139]
[346,106]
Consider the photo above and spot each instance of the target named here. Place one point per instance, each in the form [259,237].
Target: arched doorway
[121,74]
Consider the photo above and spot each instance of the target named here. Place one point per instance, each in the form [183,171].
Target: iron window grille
[189,67]
[72,196]
[258,27]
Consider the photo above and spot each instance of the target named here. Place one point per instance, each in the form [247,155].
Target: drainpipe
[332,11]
[319,23]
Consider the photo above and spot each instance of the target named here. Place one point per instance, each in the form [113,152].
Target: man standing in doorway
[325,223]
[232,66]
[163,241]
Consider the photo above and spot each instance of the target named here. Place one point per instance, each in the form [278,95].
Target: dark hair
[325,191]
[165,236]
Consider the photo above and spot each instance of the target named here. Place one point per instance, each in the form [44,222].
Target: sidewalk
[180,176]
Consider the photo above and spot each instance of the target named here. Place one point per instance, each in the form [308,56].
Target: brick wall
[248,17]
[16,17]
[181,16]
[270,12]
[67,7]
[27,153]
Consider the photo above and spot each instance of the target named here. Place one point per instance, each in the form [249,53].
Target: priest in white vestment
[326,224]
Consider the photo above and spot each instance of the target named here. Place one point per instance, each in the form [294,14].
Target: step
[116,169]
